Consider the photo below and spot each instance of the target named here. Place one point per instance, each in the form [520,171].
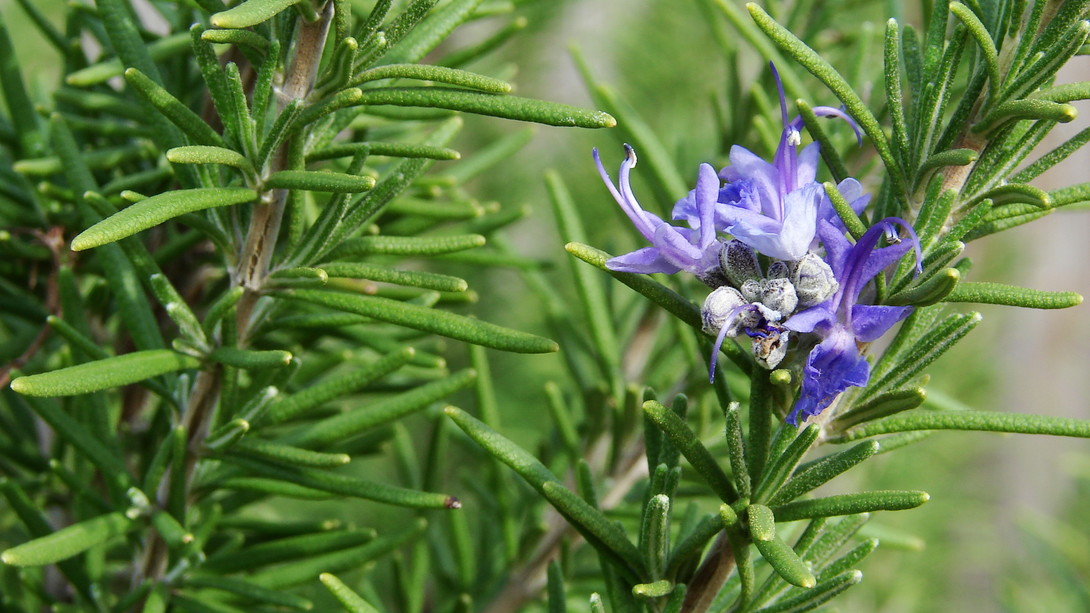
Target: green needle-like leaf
[428,320]
[690,446]
[507,107]
[173,109]
[936,288]
[779,555]
[203,154]
[522,462]
[814,474]
[987,46]
[343,485]
[319,181]
[780,467]
[346,425]
[438,74]
[159,50]
[606,536]
[250,13]
[1010,295]
[850,504]
[816,595]
[157,209]
[338,386]
[985,421]
[249,358]
[406,245]
[69,541]
[655,534]
[104,374]
[351,601]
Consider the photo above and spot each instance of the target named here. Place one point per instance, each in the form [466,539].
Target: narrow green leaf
[655,535]
[179,114]
[279,550]
[168,46]
[653,591]
[339,386]
[1039,110]
[351,601]
[779,555]
[1018,193]
[1010,295]
[882,405]
[894,97]
[984,40]
[426,35]
[104,374]
[668,182]
[337,561]
[68,541]
[736,450]
[250,358]
[507,107]
[438,74]
[244,38]
[203,154]
[694,451]
[986,421]
[157,209]
[588,283]
[522,462]
[377,413]
[33,517]
[923,352]
[386,274]
[285,454]
[555,589]
[250,13]
[124,34]
[816,473]
[851,504]
[347,486]
[249,591]
[604,535]
[848,560]
[427,320]
[407,245]
[936,288]
[319,181]
[781,466]
[404,150]
[665,297]
[816,595]
[693,544]
[950,157]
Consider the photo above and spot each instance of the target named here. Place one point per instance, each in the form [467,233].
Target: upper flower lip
[674,248]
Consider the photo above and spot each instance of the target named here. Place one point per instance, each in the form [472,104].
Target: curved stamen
[728,323]
[625,199]
[830,111]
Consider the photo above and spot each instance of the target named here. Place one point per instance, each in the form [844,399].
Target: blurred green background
[1008,524]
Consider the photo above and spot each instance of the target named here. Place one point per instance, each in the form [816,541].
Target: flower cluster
[808,293]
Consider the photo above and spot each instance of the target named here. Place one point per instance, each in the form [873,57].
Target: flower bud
[719,305]
[814,281]
[779,295]
[739,263]
[779,270]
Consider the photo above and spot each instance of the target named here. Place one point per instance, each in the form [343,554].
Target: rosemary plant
[229,274]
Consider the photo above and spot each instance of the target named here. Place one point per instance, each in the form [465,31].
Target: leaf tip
[19,385]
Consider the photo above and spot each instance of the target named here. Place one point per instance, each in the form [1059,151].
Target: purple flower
[836,363]
[774,207]
[694,249]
